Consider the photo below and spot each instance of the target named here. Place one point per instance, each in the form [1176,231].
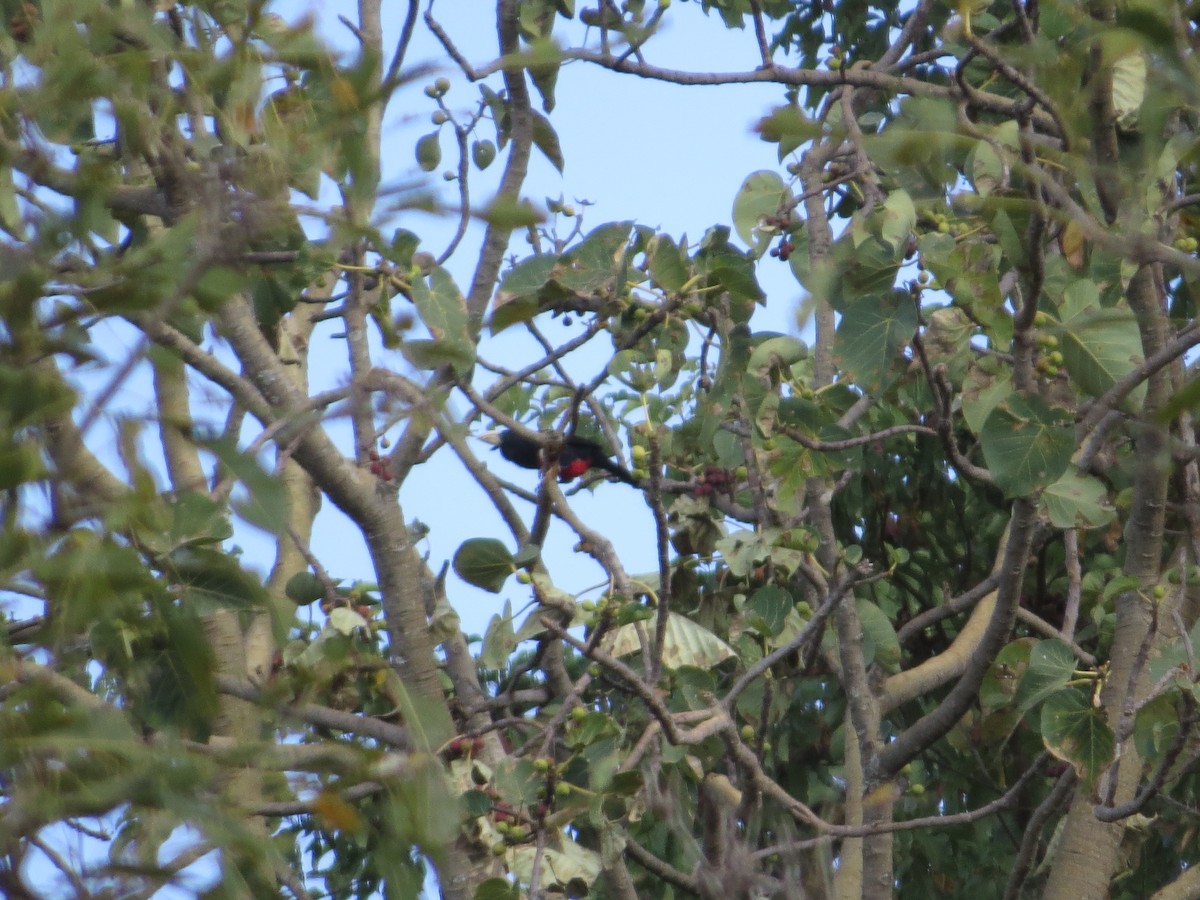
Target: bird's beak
[490,437]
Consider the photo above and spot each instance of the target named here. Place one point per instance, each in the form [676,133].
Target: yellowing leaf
[336,814]
[1071,243]
[1128,89]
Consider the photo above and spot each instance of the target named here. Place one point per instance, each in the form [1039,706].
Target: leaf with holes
[1078,501]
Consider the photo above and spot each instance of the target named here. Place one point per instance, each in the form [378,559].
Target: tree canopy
[924,599]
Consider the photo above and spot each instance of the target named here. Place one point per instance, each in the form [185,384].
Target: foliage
[925,607]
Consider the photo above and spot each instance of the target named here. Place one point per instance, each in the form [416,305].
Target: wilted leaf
[1071,241]
[685,644]
[987,383]
[346,621]
[561,867]
[1128,89]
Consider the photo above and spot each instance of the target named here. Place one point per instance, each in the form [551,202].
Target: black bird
[578,454]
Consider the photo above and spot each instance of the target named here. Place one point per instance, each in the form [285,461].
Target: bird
[578,454]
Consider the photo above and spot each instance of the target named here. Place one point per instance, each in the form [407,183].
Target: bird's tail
[618,470]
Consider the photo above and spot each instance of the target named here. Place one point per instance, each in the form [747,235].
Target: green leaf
[782,351]
[518,297]
[213,579]
[483,153]
[1100,346]
[10,212]
[507,212]
[743,550]
[20,464]
[545,138]
[1156,727]
[767,609]
[444,312]
[427,720]
[429,151]
[1026,444]
[499,640]
[497,888]
[988,381]
[736,275]
[527,555]
[543,61]
[985,168]
[266,505]
[862,265]
[1187,397]
[880,635]
[1003,679]
[597,264]
[434,354]
[571,863]
[197,518]
[477,803]
[1120,585]
[788,127]
[526,278]
[404,244]
[871,334]
[304,588]
[442,306]
[1051,665]
[697,687]
[667,263]
[1078,501]
[1173,654]
[1077,733]
[899,219]
[762,196]
[484,562]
